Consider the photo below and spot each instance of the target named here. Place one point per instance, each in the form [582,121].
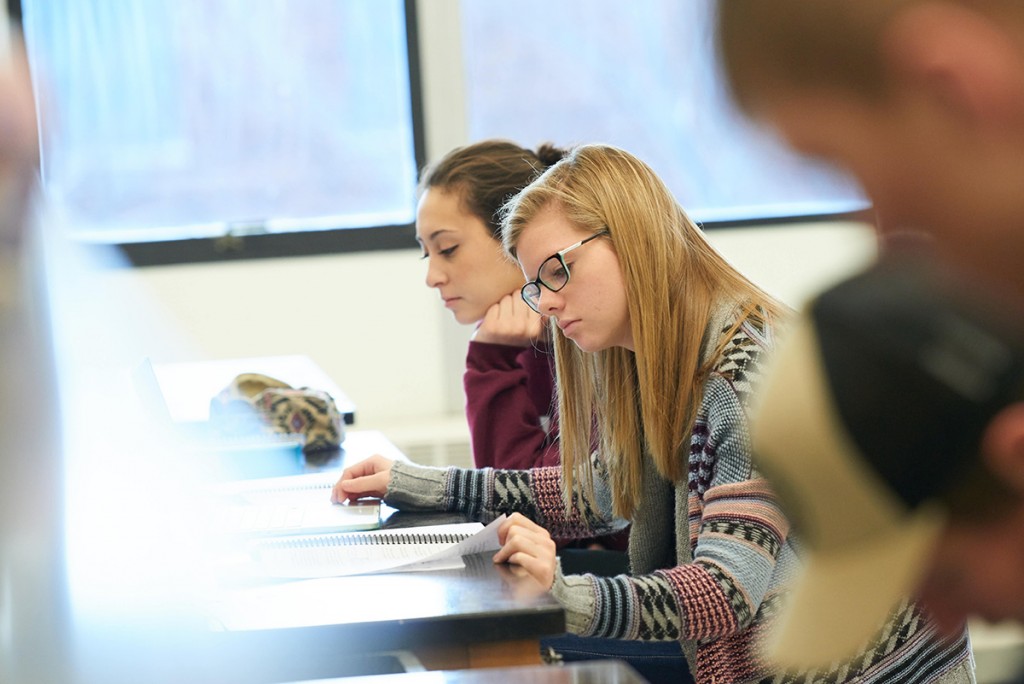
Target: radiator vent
[442,442]
[456,453]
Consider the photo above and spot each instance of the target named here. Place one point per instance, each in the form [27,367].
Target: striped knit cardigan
[709,557]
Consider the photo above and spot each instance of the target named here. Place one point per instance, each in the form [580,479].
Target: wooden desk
[483,615]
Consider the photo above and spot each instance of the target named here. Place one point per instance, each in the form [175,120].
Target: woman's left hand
[510,321]
[528,545]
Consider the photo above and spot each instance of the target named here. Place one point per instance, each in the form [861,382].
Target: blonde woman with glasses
[658,347]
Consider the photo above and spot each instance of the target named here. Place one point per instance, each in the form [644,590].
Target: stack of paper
[410,549]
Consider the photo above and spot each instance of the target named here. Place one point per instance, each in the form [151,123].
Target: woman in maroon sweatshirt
[508,379]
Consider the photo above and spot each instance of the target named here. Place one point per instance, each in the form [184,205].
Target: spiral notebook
[433,547]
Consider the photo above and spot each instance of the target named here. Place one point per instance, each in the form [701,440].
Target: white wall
[370,322]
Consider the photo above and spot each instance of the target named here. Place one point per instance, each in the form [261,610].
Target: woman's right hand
[510,321]
[527,544]
[369,478]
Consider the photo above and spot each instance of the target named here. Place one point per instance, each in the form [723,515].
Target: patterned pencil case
[253,401]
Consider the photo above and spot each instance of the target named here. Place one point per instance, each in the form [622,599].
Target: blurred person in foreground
[891,423]
[923,101]
[33,638]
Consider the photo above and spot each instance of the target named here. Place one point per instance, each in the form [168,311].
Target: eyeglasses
[552,274]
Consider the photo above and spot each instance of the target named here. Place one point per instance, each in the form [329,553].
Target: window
[190,130]
[640,75]
[171,120]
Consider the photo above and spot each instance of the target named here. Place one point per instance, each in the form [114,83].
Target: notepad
[294,505]
[291,488]
[295,518]
[409,549]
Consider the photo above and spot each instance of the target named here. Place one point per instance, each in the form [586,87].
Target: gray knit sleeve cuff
[577,595]
[416,488]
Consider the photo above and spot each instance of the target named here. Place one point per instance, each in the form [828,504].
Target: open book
[417,548]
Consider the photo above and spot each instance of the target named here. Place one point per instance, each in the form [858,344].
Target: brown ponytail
[486,174]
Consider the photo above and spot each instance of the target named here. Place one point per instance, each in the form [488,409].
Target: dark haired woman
[508,379]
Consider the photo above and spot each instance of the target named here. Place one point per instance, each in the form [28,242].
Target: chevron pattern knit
[733,556]
[906,651]
[486,493]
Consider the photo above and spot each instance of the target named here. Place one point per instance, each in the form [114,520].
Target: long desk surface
[483,615]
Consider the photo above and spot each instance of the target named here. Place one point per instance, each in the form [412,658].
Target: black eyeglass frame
[533,286]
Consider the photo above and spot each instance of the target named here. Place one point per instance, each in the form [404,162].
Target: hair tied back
[549,155]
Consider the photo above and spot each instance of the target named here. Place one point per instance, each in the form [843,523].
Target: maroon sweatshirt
[510,406]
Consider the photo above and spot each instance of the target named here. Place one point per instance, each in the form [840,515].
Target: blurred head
[457,224]
[922,100]
[634,311]
[891,425]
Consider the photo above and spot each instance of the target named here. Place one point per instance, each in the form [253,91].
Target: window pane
[641,75]
[173,118]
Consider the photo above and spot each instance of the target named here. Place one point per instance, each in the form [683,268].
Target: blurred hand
[528,545]
[18,147]
[510,321]
[369,478]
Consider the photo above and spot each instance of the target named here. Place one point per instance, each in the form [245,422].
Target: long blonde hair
[645,400]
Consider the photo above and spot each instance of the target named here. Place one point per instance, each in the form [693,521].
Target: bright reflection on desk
[136,576]
[320,601]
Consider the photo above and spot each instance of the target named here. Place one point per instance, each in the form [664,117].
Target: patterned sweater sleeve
[736,530]
[485,493]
